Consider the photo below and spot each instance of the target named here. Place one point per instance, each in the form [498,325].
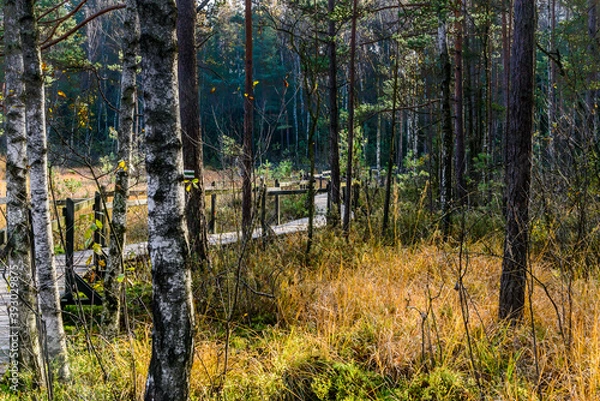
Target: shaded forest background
[83,74]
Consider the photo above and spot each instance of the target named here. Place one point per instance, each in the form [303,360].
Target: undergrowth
[358,321]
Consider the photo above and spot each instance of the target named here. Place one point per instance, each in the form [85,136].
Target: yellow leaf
[97,248]
[213,90]
[254,83]
[61,94]
[123,165]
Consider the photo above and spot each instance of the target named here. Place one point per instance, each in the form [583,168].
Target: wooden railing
[94,206]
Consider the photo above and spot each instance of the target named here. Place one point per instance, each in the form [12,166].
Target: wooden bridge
[81,260]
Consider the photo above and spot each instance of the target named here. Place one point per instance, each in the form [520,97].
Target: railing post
[263,208]
[328,186]
[355,195]
[69,214]
[99,233]
[213,211]
[277,203]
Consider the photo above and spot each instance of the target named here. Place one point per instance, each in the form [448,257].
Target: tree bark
[592,94]
[392,154]
[190,125]
[113,279]
[22,278]
[247,154]
[518,163]
[552,148]
[446,159]
[351,98]
[37,152]
[334,122]
[172,308]
[460,162]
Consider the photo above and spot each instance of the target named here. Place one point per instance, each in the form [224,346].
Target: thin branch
[202,5]
[83,23]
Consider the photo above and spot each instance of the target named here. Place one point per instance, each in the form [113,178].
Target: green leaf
[99,225]
[120,278]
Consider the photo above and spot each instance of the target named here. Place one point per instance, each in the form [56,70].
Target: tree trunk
[351,98]
[446,159]
[461,190]
[113,280]
[551,151]
[518,163]
[489,140]
[173,315]
[247,155]
[506,46]
[592,75]
[190,124]
[37,150]
[22,279]
[334,122]
[392,154]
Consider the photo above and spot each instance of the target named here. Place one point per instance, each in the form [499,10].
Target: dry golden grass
[388,318]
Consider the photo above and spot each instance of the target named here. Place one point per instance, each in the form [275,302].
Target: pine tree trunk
[592,94]
[334,122]
[172,308]
[113,280]
[247,155]
[392,154]
[37,152]
[552,153]
[190,124]
[460,162]
[22,279]
[446,159]
[351,98]
[518,163]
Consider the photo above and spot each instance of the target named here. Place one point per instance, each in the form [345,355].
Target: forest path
[82,265]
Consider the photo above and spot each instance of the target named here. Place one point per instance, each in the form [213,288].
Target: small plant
[72,185]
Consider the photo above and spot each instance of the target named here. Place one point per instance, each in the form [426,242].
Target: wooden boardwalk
[81,264]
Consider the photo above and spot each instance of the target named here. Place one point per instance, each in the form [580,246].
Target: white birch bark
[172,340]
[37,151]
[22,280]
[112,281]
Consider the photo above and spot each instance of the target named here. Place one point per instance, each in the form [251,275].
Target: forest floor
[359,321]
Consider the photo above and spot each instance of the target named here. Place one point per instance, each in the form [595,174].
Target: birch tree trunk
[172,340]
[22,279]
[113,280]
[37,150]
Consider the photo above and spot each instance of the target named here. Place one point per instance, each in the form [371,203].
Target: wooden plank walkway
[81,264]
